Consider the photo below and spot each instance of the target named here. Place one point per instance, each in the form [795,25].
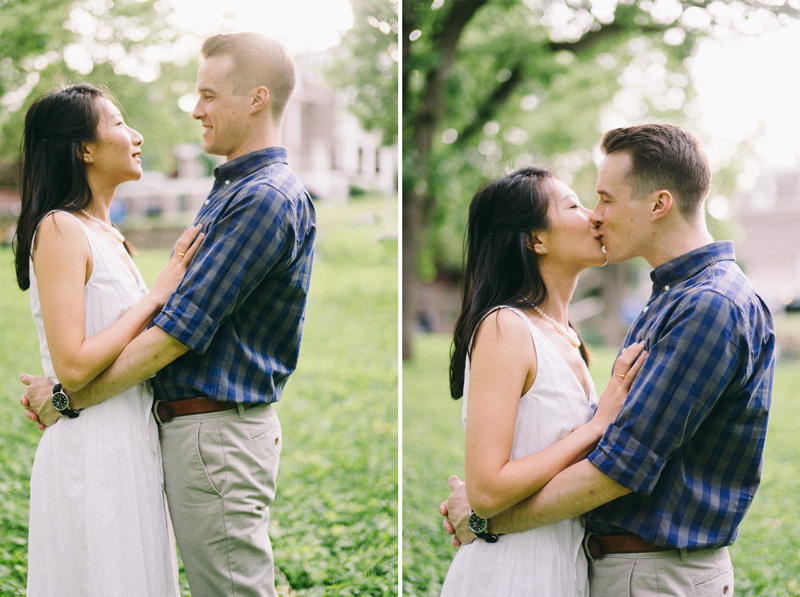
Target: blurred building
[328,150]
[769,248]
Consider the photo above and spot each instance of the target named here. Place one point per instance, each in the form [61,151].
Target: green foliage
[524,87]
[366,66]
[766,556]
[334,523]
[536,82]
[127,46]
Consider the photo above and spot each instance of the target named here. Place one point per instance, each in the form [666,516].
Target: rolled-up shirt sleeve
[693,353]
[238,252]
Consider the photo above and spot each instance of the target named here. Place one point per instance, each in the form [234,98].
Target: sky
[749,87]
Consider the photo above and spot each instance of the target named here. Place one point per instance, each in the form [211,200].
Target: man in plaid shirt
[671,479]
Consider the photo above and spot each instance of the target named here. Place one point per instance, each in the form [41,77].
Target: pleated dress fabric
[98,523]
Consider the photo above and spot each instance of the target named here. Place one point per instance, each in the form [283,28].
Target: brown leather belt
[600,545]
[166,411]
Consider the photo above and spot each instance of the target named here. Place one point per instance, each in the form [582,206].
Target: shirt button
[666,286]
[646,308]
[227,182]
[207,201]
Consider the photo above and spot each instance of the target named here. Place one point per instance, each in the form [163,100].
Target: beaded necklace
[570,334]
[110,229]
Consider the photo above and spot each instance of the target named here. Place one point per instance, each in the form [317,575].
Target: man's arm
[574,491]
[146,354]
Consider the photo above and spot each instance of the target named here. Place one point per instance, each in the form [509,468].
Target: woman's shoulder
[57,220]
[505,324]
[60,230]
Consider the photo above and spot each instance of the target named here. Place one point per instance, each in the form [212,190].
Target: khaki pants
[678,573]
[220,474]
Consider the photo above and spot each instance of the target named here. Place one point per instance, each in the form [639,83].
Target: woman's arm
[503,368]
[62,261]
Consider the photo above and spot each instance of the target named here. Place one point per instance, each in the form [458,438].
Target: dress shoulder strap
[52,211]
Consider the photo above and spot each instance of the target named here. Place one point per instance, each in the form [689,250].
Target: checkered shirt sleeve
[688,369]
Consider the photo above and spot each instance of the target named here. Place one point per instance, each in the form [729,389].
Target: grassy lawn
[334,522]
[766,555]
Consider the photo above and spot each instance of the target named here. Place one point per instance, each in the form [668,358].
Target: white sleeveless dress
[548,561]
[98,524]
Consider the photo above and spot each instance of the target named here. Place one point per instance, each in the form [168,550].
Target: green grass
[766,556]
[334,522]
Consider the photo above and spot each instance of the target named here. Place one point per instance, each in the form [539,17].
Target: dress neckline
[574,375]
[133,272]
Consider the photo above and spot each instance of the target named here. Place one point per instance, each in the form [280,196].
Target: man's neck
[677,241]
[270,136]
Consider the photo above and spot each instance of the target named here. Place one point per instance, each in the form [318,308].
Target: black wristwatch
[479,526]
[60,402]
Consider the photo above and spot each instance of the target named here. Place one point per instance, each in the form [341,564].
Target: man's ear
[662,203]
[259,99]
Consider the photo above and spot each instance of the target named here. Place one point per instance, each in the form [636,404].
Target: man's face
[621,219]
[223,114]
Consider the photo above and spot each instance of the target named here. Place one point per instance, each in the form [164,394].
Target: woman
[97,520]
[530,408]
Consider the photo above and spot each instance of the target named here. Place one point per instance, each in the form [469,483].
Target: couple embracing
[638,492]
[219,334]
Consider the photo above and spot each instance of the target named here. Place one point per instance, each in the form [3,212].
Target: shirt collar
[687,265]
[250,162]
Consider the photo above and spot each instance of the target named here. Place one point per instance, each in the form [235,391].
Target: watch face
[477,524]
[60,401]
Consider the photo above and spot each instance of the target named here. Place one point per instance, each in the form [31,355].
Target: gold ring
[622,375]
[182,254]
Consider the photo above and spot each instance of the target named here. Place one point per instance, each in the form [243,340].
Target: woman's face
[571,239]
[115,154]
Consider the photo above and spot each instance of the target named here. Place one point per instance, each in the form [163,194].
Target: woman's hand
[172,274]
[626,367]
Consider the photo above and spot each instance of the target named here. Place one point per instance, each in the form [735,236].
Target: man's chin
[212,149]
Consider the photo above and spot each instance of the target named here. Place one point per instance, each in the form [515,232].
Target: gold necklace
[570,334]
[110,229]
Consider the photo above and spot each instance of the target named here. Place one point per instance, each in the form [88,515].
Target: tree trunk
[411,243]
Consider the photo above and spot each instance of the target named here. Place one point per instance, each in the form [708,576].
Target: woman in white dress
[530,409]
[98,524]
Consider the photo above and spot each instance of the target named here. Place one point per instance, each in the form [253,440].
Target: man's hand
[456,511]
[37,400]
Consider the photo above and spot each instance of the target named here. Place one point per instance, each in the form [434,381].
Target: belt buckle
[588,544]
[159,420]
[587,550]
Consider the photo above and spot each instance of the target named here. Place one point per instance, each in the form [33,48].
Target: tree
[366,65]
[494,83]
[127,47]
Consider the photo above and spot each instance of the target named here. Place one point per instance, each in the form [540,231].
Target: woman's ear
[536,243]
[86,155]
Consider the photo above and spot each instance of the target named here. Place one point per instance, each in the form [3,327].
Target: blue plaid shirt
[240,307]
[690,438]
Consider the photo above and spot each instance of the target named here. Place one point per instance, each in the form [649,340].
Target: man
[674,475]
[225,343]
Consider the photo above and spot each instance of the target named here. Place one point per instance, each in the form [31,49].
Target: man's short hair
[666,157]
[257,60]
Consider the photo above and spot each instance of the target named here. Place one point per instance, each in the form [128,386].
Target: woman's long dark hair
[501,267]
[53,173]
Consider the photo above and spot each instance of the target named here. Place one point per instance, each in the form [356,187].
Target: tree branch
[489,105]
[446,40]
